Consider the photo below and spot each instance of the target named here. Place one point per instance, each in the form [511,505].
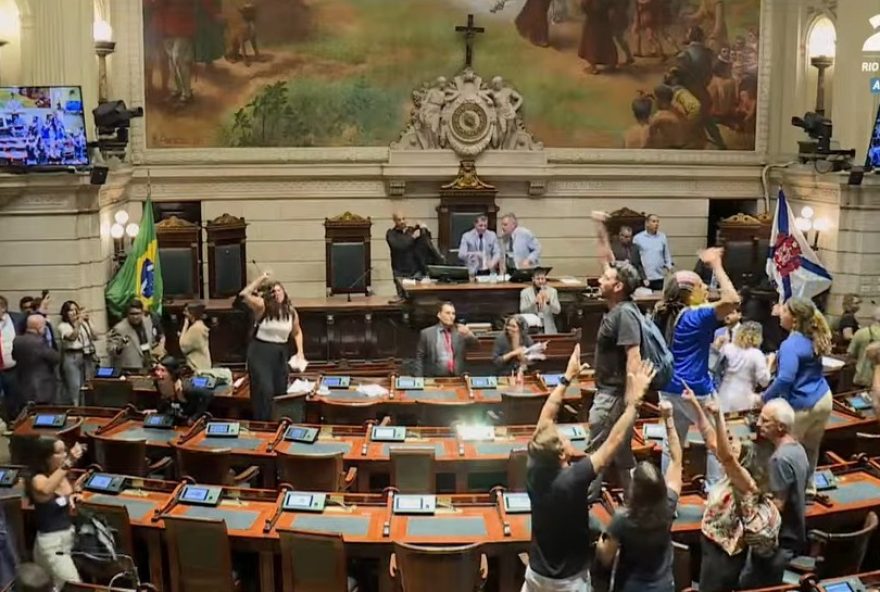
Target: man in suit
[479,248]
[133,343]
[442,347]
[522,250]
[624,249]
[11,325]
[35,363]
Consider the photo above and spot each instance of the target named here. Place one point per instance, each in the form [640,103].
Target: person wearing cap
[541,300]
[689,322]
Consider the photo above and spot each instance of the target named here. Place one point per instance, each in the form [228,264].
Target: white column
[854,105]
[58,48]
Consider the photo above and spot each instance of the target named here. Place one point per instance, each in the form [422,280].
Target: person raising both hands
[558,487]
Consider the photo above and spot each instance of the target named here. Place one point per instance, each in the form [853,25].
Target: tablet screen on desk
[551,379]
[409,382]
[838,587]
[195,494]
[221,429]
[49,420]
[860,403]
[200,381]
[410,502]
[105,372]
[484,382]
[298,500]
[384,433]
[517,502]
[100,481]
[336,382]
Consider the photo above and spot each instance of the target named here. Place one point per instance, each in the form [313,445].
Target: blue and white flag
[791,262]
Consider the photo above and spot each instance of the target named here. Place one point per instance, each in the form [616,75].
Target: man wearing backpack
[617,354]
[691,322]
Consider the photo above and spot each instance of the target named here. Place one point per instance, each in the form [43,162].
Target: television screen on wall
[42,126]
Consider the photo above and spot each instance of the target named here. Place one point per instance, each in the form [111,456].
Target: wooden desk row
[440,402]
[368,525]
[462,465]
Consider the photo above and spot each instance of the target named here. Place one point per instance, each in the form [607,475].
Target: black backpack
[94,542]
[653,348]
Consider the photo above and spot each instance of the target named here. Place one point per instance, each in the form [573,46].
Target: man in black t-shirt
[559,553]
[617,353]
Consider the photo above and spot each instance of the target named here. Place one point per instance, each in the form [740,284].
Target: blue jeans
[683,416]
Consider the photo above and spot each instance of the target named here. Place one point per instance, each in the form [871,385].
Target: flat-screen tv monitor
[448,273]
[872,159]
[42,126]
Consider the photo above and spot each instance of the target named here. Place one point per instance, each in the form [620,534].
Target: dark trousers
[267,369]
[764,572]
[719,572]
[655,285]
[11,398]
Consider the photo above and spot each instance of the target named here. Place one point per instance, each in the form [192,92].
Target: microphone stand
[355,282]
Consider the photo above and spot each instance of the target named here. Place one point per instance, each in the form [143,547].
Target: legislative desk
[462,465]
[366,522]
[441,401]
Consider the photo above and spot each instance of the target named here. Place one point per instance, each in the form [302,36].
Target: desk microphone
[355,282]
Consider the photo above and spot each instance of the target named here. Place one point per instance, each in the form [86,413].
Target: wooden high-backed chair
[15,523]
[314,472]
[413,470]
[516,469]
[199,555]
[127,457]
[428,569]
[837,554]
[212,466]
[625,217]
[313,561]
[111,392]
[522,410]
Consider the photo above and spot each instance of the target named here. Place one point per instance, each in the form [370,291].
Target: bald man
[35,363]
[402,242]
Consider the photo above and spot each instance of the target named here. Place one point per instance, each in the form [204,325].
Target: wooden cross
[470,33]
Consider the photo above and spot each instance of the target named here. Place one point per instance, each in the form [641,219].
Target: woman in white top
[746,369]
[269,349]
[77,351]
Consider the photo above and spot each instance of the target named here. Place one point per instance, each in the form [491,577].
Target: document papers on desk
[372,390]
[570,281]
[299,387]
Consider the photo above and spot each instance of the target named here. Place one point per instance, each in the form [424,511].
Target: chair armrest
[524,559]
[493,416]
[349,477]
[818,536]
[246,475]
[571,411]
[160,465]
[484,567]
[867,436]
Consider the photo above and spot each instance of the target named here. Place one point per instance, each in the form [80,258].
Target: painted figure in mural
[210,32]
[639,135]
[711,17]
[244,35]
[651,24]
[667,126]
[533,23]
[178,34]
[620,25]
[722,90]
[155,58]
[597,41]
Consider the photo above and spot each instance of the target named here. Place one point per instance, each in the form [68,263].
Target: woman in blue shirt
[689,323]
[799,377]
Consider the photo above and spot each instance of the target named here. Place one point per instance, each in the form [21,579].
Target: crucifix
[470,33]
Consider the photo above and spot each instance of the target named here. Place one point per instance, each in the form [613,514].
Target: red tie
[450,363]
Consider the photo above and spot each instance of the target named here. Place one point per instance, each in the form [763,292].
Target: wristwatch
[564,381]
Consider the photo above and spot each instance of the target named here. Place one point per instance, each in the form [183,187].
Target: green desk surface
[235,519]
[235,443]
[316,447]
[149,434]
[137,509]
[350,525]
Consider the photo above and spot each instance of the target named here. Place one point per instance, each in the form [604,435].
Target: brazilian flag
[141,275]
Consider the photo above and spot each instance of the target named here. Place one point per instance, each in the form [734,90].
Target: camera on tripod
[818,148]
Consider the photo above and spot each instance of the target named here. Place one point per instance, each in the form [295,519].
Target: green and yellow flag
[141,275]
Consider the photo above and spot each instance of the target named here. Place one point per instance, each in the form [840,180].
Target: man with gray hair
[788,472]
[521,249]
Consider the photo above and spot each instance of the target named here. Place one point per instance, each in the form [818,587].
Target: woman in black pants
[269,349]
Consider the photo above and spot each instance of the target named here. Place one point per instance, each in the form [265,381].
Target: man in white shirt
[9,328]
[654,253]
[479,248]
